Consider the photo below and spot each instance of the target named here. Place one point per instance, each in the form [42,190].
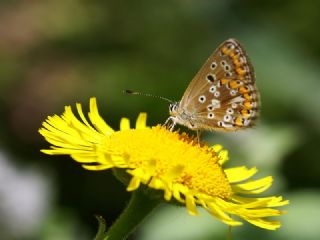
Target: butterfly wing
[223,94]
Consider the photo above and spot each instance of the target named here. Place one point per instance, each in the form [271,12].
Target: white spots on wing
[253,95]
[246,68]
[230,46]
[212,89]
[215,103]
[242,60]
[234,105]
[227,67]
[224,125]
[238,99]
[202,99]
[252,113]
[239,83]
[246,122]
[213,65]
[229,111]
[210,107]
[210,115]
[227,125]
[228,74]
[251,87]
[216,93]
[233,92]
[227,118]
[254,104]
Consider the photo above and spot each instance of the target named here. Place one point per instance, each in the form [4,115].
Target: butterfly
[222,96]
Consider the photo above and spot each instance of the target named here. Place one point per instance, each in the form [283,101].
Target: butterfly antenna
[147,95]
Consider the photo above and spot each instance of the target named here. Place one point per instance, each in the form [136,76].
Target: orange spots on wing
[237,63]
[248,105]
[225,50]
[235,57]
[224,81]
[238,121]
[234,84]
[243,89]
[247,96]
[245,113]
[240,71]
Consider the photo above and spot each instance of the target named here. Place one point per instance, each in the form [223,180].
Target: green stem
[139,207]
[102,228]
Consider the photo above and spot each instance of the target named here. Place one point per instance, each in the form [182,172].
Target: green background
[59,52]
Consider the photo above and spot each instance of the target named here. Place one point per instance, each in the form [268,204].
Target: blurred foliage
[57,52]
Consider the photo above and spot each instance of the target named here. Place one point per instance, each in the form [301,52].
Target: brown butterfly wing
[223,94]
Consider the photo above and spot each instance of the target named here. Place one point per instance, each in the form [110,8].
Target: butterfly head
[173,108]
[180,116]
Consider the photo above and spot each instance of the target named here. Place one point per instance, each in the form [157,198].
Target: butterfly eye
[173,107]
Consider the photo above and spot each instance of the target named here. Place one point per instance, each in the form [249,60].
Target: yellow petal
[239,174]
[124,124]
[97,120]
[141,121]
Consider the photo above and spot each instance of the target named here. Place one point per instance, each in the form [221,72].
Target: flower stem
[139,207]
[102,228]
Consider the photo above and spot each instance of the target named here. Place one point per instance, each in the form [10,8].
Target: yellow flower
[175,163]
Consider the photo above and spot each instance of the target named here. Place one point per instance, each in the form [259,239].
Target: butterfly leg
[198,136]
[170,123]
[167,123]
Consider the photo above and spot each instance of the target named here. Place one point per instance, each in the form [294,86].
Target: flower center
[200,170]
